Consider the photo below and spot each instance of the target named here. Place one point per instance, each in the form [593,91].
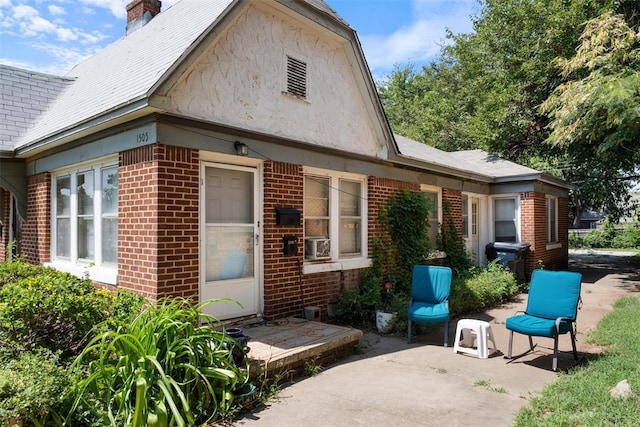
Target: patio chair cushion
[536,326]
[428,313]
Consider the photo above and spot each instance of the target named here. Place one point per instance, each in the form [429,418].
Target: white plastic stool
[483,334]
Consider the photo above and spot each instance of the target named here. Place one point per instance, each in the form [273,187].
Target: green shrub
[575,240]
[16,270]
[168,367]
[482,289]
[33,389]
[596,239]
[627,238]
[42,307]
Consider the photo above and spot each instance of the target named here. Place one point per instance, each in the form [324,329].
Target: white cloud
[118,8]
[24,11]
[56,10]
[67,57]
[421,40]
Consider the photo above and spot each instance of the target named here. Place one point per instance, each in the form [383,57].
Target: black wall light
[241,148]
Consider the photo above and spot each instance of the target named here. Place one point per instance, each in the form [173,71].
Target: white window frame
[97,270]
[336,263]
[514,197]
[553,241]
[424,188]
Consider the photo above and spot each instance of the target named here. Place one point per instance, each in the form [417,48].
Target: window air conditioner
[317,248]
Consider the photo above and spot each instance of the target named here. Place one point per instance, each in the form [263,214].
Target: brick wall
[378,191]
[286,289]
[158,221]
[454,199]
[284,284]
[35,231]
[533,225]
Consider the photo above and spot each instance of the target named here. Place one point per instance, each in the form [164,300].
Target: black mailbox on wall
[290,245]
[288,216]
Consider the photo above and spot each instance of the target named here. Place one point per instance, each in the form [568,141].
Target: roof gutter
[131,110]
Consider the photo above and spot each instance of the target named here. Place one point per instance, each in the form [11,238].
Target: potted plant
[385,315]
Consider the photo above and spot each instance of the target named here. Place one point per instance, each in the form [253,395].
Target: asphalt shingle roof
[24,96]
[129,69]
[477,161]
[125,71]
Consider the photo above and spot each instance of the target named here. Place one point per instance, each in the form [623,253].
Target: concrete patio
[392,383]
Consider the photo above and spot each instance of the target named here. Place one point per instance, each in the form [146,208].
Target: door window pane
[228,196]
[229,252]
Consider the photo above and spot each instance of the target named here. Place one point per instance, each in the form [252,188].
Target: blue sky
[52,36]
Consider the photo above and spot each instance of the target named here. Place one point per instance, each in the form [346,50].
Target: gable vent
[296,77]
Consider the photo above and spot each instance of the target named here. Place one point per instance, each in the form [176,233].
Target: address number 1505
[142,137]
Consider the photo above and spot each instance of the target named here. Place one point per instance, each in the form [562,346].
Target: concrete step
[281,348]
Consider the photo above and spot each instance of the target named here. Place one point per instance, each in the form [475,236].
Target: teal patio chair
[430,289]
[552,308]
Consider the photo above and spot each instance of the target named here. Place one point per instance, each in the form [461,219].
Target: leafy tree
[595,113]
[485,88]
[485,91]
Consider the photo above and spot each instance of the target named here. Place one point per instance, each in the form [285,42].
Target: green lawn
[581,397]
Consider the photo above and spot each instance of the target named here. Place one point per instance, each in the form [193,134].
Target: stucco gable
[239,81]
[116,84]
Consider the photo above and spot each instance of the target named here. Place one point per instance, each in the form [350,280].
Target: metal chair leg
[573,344]
[554,366]
[509,356]
[409,333]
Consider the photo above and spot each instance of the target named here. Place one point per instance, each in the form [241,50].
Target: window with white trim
[505,212]
[85,216]
[334,225]
[552,219]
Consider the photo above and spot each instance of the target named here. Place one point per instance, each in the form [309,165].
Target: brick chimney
[140,12]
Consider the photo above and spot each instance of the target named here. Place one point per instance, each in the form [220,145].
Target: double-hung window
[334,216]
[505,212]
[552,219]
[85,221]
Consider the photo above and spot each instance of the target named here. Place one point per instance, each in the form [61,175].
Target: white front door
[474,248]
[470,222]
[230,243]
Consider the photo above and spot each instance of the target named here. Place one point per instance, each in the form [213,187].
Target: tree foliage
[595,112]
[486,88]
